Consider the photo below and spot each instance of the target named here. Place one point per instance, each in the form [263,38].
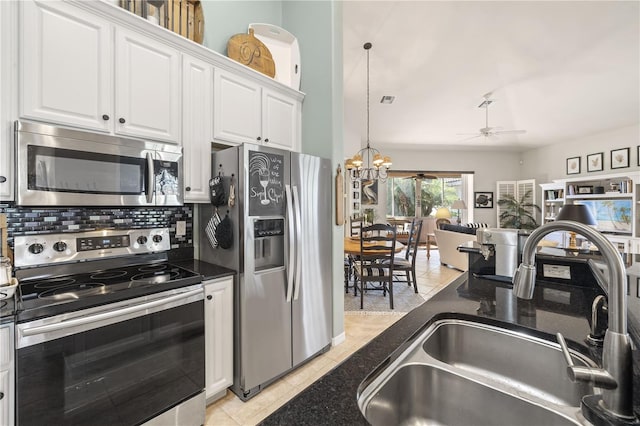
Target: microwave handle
[151,182]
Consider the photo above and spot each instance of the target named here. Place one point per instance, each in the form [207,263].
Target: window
[408,194]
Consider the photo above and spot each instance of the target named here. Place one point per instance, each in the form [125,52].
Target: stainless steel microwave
[63,167]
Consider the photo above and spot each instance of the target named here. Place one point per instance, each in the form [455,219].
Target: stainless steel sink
[462,372]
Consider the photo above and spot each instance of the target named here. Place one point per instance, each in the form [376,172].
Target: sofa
[448,238]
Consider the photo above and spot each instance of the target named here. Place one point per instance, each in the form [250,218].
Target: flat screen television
[613,216]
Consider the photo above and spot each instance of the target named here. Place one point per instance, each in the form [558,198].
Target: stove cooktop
[57,294]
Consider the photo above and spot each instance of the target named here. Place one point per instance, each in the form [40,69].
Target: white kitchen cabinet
[7,391]
[66,66]
[8,52]
[197,127]
[246,112]
[218,323]
[72,75]
[280,120]
[237,108]
[147,81]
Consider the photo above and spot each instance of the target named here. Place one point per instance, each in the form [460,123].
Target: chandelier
[368,163]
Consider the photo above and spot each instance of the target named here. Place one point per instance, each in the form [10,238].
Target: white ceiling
[559,70]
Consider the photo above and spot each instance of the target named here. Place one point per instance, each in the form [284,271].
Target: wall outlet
[181,228]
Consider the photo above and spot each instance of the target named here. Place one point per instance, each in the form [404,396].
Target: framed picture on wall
[573,166]
[594,162]
[620,158]
[369,192]
[483,200]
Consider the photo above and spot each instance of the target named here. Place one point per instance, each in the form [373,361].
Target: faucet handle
[598,376]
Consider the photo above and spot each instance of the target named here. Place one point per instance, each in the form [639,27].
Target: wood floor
[359,329]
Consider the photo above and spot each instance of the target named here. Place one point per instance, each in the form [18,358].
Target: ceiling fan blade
[472,137]
[468,134]
[511,132]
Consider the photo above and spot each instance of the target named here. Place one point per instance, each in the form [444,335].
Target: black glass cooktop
[53,295]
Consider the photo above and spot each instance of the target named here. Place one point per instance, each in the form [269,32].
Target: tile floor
[359,329]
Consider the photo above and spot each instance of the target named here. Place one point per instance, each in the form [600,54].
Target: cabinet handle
[122,120]
[266,140]
[105,117]
[3,179]
[188,188]
[259,138]
[209,297]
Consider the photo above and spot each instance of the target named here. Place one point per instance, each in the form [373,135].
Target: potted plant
[518,213]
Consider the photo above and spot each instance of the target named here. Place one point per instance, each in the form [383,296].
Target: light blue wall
[318,28]
[224,19]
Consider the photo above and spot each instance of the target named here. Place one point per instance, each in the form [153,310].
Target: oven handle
[118,313]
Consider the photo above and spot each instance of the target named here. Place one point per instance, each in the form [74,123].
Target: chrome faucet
[615,378]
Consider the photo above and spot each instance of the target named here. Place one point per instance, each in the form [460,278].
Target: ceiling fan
[423,176]
[487,131]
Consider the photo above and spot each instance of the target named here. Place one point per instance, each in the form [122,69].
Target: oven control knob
[60,246]
[157,238]
[142,240]
[36,248]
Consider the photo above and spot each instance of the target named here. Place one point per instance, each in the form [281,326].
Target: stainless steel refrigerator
[282,251]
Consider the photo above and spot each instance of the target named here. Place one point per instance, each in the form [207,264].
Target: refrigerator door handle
[292,242]
[296,207]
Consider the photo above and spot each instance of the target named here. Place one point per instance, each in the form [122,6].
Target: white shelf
[600,196]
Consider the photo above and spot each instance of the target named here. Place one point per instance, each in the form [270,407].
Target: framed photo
[594,162]
[585,190]
[483,200]
[369,192]
[573,166]
[356,195]
[620,158]
[356,184]
[356,206]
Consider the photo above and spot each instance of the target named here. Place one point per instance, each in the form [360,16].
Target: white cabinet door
[280,120]
[7,90]
[6,407]
[218,311]
[66,66]
[147,81]
[237,109]
[197,128]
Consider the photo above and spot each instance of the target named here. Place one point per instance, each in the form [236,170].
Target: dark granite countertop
[331,400]
[208,271]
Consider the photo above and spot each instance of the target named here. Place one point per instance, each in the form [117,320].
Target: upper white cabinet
[7,97]
[148,84]
[237,108]
[245,111]
[281,117]
[67,68]
[197,127]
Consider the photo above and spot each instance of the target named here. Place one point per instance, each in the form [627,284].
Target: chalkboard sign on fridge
[266,184]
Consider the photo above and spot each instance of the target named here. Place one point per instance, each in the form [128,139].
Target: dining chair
[355,226]
[375,263]
[407,263]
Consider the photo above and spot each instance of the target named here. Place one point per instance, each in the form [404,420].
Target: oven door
[118,364]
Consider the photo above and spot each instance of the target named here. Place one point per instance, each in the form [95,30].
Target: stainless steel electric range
[108,331]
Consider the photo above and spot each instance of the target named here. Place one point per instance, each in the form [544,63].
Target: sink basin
[423,394]
[535,366]
[467,372]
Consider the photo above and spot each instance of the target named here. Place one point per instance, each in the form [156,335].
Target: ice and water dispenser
[268,243]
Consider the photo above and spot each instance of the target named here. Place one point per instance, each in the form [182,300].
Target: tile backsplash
[34,221]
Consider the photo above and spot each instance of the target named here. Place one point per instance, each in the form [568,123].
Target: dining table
[352,246]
